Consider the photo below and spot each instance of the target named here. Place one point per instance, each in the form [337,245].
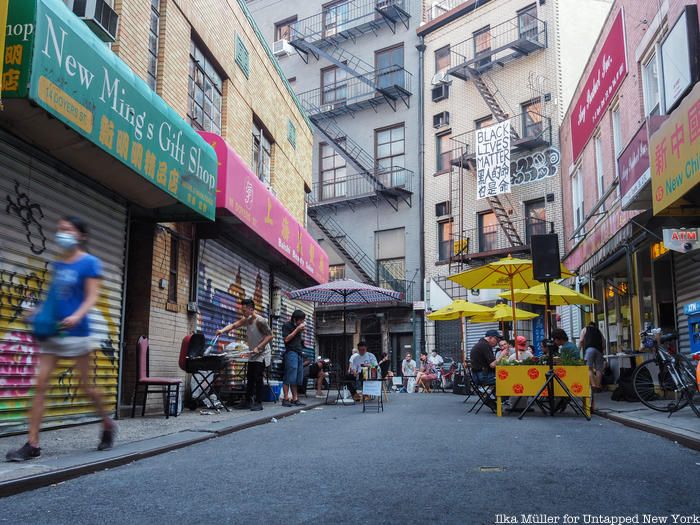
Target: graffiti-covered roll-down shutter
[34,196]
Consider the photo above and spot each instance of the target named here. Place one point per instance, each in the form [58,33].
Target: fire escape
[362,86]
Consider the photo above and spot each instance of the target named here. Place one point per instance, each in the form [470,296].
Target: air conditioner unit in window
[282,48]
[440,92]
[98,15]
[441,119]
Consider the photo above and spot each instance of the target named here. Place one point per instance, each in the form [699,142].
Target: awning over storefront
[243,197]
[98,117]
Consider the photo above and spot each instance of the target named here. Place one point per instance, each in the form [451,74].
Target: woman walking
[74,288]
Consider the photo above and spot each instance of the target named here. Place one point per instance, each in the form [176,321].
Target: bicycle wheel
[687,371]
[656,388]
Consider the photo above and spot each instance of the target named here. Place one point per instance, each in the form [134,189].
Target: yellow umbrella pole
[512,305]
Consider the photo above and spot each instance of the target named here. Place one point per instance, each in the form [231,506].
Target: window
[598,146]
[482,46]
[617,140]
[442,209]
[333,173]
[172,281]
[205,85]
[650,86]
[153,41]
[442,59]
[389,66]
[392,273]
[390,148]
[445,242]
[284,30]
[532,118]
[577,197]
[390,253]
[333,86]
[488,232]
[535,218]
[262,152]
[484,122]
[527,22]
[336,272]
[335,18]
[443,151]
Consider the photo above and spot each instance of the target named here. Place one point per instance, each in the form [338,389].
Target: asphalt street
[423,460]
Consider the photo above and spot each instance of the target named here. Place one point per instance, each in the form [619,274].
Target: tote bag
[45,322]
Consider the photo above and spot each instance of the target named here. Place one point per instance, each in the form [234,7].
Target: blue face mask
[66,241]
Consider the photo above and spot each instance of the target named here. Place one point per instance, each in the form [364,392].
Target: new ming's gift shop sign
[52,58]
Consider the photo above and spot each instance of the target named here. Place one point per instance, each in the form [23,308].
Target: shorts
[293,368]
[68,346]
[594,359]
[428,377]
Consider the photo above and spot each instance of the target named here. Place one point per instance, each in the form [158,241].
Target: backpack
[625,388]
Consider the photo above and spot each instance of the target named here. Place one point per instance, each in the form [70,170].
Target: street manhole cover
[491,469]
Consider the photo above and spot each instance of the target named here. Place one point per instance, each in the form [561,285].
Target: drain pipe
[421,161]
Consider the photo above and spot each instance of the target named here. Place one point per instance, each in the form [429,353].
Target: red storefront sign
[603,81]
[633,166]
[240,193]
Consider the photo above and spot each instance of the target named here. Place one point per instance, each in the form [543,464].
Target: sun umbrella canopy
[501,274]
[345,291]
[457,309]
[503,312]
[559,295]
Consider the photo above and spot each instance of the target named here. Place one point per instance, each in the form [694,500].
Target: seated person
[483,361]
[317,371]
[363,359]
[522,352]
[385,368]
[567,349]
[426,373]
[504,350]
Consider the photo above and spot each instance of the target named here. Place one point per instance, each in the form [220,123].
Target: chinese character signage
[675,153]
[493,160]
[19,42]
[78,80]
[242,194]
[3,23]
[633,166]
[603,81]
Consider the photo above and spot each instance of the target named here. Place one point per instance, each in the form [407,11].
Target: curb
[19,485]
[681,439]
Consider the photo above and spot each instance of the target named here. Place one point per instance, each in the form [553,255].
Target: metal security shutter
[225,277]
[476,331]
[281,316]
[34,197]
[447,339]
[687,274]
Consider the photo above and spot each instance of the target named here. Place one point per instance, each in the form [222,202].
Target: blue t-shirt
[68,285]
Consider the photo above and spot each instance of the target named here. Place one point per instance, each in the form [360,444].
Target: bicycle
[667,382]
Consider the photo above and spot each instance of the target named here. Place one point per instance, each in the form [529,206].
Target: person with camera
[293,336]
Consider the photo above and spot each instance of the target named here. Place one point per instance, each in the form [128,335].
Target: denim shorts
[293,368]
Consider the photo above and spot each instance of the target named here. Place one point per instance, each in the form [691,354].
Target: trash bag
[411,385]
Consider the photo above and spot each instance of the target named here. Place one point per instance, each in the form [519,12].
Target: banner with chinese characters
[675,150]
[242,194]
[17,54]
[78,80]
[3,22]
[493,160]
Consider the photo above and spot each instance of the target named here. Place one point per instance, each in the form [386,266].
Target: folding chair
[486,394]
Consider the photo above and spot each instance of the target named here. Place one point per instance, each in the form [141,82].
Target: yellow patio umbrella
[559,295]
[503,312]
[458,309]
[507,273]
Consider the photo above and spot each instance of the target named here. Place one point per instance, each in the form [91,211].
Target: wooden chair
[145,382]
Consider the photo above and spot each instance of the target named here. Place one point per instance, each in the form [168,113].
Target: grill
[205,368]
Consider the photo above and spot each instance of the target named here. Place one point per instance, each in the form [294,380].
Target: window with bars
[262,152]
[333,173]
[153,43]
[205,88]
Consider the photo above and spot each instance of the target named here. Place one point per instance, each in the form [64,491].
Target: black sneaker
[287,403]
[243,405]
[107,439]
[23,454]
[298,403]
[256,407]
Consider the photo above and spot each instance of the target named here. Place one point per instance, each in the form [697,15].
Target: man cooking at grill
[258,336]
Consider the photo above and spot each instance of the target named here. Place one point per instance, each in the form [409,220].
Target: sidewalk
[71,452]
[682,427]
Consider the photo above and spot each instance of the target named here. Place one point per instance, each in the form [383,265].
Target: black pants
[254,381]
[352,381]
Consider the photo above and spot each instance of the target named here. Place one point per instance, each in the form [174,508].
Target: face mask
[66,241]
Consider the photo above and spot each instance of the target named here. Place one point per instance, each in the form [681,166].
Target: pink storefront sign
[603,81]
[240,193]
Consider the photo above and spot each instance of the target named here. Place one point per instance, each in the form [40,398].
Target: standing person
[258,336]
[385,367]
[353,353]
[293,335]
[593,343]
[483,361]
[408,369]
[75,285]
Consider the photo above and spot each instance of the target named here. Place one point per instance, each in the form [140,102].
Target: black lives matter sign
[493,160]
